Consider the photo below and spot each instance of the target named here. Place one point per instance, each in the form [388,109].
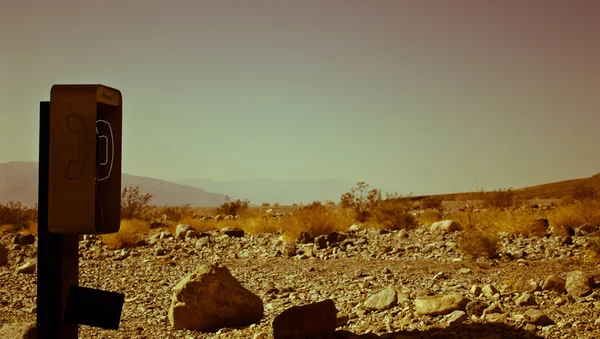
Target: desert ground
[432,280]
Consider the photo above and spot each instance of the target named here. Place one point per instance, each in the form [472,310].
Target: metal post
[58,254]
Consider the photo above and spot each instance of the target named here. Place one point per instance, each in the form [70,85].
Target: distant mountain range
[18,182]
[284,192]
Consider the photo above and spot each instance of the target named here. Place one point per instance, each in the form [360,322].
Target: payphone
[84,187]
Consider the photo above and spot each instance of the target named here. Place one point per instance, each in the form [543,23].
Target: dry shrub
[330,202]
[563,217]
[261,225]
[431,202]
[393,214]
[130,232]
[175,213]
[593,250]
[6,228]
[265,204]
[500,198]
[476,243]
[429,216]
[315,219]
[588,210]
[565,201]
[197,224]
[275,204]
[230,207]
[134,205]
[519,222]
[18,215]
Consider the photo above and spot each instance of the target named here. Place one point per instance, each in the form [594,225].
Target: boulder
[234,232]
[25,330]
[579,284]
[537,317]
[554,283]
[210,298]
[315,321]
[383,300]
[445,226]
[181,231]
[440,304]
[24,239]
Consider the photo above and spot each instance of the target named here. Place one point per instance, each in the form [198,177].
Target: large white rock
[445,226]
[210,298]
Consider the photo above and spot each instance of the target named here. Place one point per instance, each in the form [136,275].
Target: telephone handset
[77,126]
[105,149]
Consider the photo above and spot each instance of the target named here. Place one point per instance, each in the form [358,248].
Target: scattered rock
[537,317]
[440,304]
[554,283]
[383,300]
[181,230]
[316,321]
[211,298]
[525,299]
[28,267]
[475,307]
[24,239]
[234,232]
[455,318]
[579,284]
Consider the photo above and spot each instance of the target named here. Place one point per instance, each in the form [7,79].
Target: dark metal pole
[58,257]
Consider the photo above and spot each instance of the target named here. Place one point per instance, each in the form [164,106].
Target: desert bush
[429,216]
[134,205]
[275,204]
[261,225]
[582,192]
[176,213]
[315,219]
[565,200]
[330,202]
[265,204]
[392,214]
[588,210]
[500,198]
[361,200]
[17,215]
[130,232]
[477,243]
[431,202]
[229,207]
[563,217]
[519,222]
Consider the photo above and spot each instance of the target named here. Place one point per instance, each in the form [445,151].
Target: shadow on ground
[483,331]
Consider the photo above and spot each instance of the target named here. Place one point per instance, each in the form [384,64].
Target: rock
[455,318]
[202,242]
[321,242]
[3,255]
[303,238]
[289,250]
[475,307]
[440,304]
[445,226]
[28,267]
[383,300]
[23,239]
[579,284]
[192,234]
[586,229]
[234,232]
[335,237]
[525,299]
[475,290]
[489,290]
[554,283]
[181,230]
[494,318]
[211,298]
[354,228]
[537,317]
[26,330]
[315,321]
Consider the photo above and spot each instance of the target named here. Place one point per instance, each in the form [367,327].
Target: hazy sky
[411,96]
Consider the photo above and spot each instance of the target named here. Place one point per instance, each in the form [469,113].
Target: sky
[417,97]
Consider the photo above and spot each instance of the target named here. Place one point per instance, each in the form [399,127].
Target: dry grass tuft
[261,225]
[429,216]
[315,219]
[393,214]
[476,243]
[130,232]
